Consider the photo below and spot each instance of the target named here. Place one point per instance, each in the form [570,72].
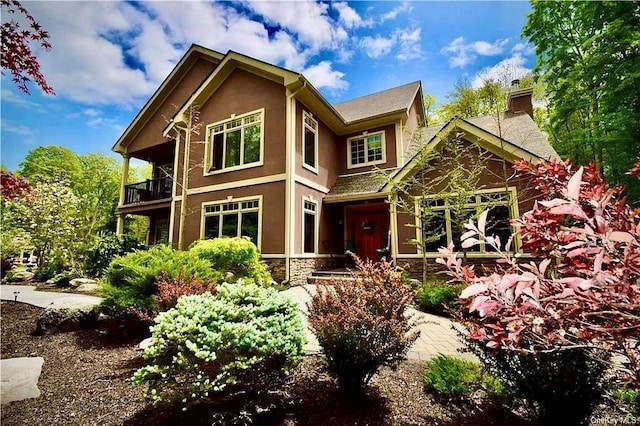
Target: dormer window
[366,150]
[237,142]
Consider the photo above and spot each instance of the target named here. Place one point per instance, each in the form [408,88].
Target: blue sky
[109,57]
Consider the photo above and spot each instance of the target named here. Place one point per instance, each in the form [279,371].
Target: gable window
[237,142]
[309,226]
[366,150]
[441,219]
[309,141]
[239,218]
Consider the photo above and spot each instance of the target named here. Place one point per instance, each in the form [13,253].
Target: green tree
[50,217]
[98,189]
[47,164]
[589,56]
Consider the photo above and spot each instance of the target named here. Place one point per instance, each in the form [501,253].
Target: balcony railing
[148,190]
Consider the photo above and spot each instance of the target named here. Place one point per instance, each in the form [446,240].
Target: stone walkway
[437,334]
[28,294]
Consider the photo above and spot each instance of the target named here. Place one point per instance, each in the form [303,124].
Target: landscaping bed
[86,379]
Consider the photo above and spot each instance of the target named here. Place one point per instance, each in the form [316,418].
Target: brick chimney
[519,100]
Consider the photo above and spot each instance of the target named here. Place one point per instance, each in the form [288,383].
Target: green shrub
[233,258]
[129,282]
[449,376]
[436,297]
[242,340]
[62,279]
[559,387]
[100,255]
[630,398]
[360,324]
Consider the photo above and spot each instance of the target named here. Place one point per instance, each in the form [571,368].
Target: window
[366,150]
[309,226]
[236,142]
[232,219]
[309,140]
[443,218]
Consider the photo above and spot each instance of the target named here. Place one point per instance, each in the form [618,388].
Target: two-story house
[241,147]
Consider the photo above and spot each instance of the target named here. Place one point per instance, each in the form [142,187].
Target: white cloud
[16,128]
[410,47]
[307,19]
[19,100]
[407,40]
[504,71]
[375,47]
[349,17]
[322,75]
[405,6]
[464,53]
[524,48]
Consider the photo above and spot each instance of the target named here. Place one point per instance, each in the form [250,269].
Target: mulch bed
[86,380]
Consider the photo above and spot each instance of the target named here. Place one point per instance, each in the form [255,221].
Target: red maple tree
[17,56]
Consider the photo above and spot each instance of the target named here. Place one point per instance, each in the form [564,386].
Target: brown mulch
[86,380]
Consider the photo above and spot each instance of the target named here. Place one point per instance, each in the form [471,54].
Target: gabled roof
[388,101]
[517,129]
[516,136]
[230,62]
[184,64]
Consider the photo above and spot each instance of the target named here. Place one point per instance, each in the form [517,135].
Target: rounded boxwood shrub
[243,340]
[437,297]
[449,376]
[130,281]
[233,258]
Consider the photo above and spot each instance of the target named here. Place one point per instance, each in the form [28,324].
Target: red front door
[367,229]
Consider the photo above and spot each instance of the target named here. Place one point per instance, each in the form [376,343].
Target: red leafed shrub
[169,291]
[361,324]
[584,293]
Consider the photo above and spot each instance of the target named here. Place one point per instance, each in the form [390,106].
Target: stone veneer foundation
[300,268]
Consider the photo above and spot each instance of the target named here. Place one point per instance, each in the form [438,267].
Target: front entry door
[367,229]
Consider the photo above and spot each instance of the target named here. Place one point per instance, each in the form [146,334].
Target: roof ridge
[378,92]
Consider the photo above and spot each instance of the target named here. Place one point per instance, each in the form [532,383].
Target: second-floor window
[237,142]
[365,150]
[309,140]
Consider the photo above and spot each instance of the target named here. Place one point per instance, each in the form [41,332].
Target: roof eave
[178,72]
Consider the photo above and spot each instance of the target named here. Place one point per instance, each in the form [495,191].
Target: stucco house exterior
[270,158]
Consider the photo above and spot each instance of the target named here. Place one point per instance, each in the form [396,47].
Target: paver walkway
[437,334]
[28,294]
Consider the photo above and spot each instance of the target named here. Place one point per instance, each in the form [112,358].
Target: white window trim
[305,126]
[203,214]
[512,204]
[315,224]
[364,136]
[209,145]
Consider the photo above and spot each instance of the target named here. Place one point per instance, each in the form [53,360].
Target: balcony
[148,190]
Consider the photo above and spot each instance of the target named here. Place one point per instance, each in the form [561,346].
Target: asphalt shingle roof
[391,100]
[357,184]
[516,128]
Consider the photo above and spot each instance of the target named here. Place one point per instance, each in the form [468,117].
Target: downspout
[290,143]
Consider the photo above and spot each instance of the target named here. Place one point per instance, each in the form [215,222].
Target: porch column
[125,177]
[393,244]
[123,183]
[120,224]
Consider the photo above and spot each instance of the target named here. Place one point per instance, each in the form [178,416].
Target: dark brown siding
[243,92]
[328,151]
[493,178]
[273,201]
[151,134]
[390,141]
